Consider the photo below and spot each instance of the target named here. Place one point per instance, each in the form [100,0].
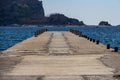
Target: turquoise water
[9,36]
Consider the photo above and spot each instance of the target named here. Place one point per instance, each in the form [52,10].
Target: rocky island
[104,23]
[30,12]
[61,19]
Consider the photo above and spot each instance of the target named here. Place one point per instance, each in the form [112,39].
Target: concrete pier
[59,56]
[58,45]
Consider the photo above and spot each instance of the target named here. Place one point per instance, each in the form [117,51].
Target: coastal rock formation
[104,23]
[20,11]
[61,19]
[30,12]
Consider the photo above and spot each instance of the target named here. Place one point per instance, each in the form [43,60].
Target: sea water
[9,35]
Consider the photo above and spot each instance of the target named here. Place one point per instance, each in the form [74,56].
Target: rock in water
[104,23]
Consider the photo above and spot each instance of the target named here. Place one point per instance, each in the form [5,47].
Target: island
[31,12]
[104,23]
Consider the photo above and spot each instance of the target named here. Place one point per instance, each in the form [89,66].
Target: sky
[89,11]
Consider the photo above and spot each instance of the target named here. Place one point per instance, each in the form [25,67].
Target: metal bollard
[93,40]
[116,49]
[97,42]
[90,39]
[35,35]
[79,34]
[108,46]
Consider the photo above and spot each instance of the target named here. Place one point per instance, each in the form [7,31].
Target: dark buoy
[116,49]
[108,46]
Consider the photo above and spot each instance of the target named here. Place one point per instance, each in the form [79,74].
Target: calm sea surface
[9,36]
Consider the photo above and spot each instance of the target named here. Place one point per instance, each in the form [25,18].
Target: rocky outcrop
[104,23]
[30,12]
[60,19]
[20,11]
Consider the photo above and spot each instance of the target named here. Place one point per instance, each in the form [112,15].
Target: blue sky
[89,11]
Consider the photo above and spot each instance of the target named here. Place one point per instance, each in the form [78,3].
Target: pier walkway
[58,56]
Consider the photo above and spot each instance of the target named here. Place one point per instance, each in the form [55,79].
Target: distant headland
[31,12]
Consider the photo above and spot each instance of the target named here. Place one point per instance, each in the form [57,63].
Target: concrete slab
[61,66]
[58,45]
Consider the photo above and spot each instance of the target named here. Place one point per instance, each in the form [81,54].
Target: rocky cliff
[30,12]
[20,11]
